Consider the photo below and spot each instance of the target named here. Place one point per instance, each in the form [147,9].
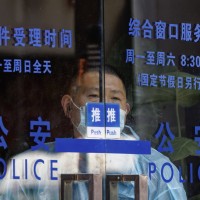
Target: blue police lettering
[21,169]
[3,162]
[166,170]
[53,169]
[14,170]
[35,173]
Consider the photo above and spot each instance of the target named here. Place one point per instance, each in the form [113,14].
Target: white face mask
[122,119]
[82,129]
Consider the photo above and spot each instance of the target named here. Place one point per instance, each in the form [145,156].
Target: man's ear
[65,102]
[128,108]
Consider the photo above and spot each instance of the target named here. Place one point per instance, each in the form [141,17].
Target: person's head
[85,88]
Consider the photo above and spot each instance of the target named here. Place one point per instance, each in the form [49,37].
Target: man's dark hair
[108,69]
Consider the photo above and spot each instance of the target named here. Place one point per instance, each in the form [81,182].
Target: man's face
[88,91]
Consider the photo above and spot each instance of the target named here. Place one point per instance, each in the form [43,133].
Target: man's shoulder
[154,158]
[129,134]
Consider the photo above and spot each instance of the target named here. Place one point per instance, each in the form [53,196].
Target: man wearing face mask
[85,88]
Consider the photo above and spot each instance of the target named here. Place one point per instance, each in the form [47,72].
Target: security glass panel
[49,70]
[99,99]
[154,47]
